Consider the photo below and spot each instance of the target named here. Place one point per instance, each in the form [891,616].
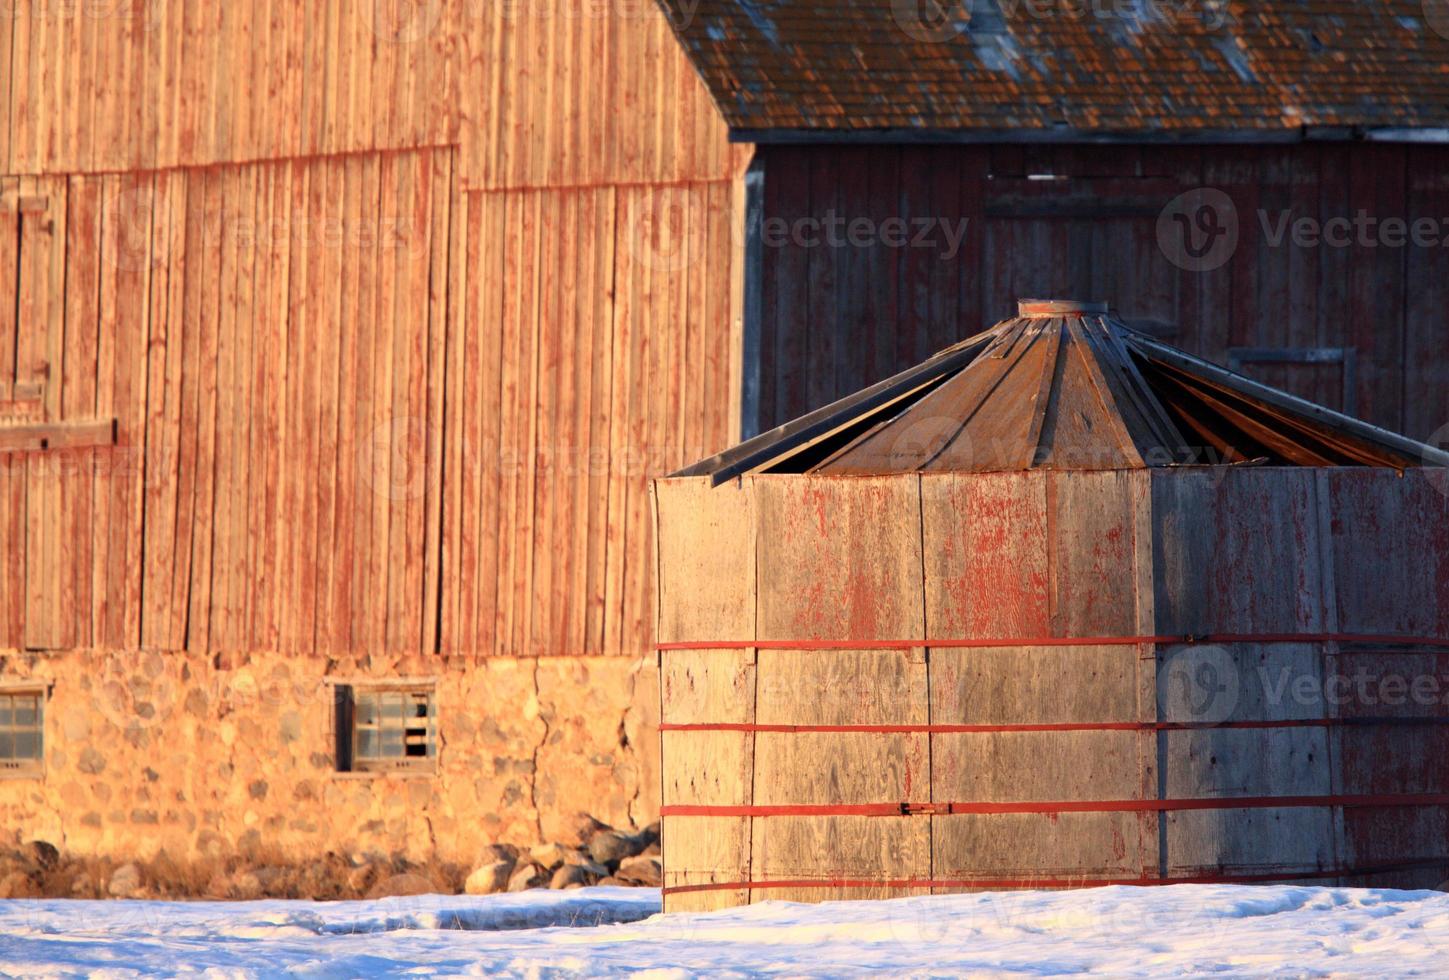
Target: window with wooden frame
[22,732]
[1323,375]
[387,728]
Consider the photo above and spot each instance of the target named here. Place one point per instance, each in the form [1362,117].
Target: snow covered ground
[1183,930]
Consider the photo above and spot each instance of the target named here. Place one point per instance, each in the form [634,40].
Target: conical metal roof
[1065,385]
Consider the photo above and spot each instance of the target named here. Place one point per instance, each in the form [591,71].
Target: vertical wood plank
[163,435]
[76,376]
[706,557]
[601,429]
[325,289]
[223,617]
[840,559]
[12,465]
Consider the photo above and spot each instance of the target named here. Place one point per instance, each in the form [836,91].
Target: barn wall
[537,93]
[360,409]
[397,382]
[834,317]
[397,307]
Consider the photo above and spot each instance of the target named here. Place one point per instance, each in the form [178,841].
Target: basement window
[22,724]
[387,728]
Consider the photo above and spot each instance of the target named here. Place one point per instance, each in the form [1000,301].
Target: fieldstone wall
[196,757]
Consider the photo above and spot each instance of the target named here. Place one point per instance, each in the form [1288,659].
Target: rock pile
[595,854]
[598,855]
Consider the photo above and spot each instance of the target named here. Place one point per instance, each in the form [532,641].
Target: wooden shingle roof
[1071,68]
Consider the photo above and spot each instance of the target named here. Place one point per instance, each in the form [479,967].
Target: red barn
[1263,184]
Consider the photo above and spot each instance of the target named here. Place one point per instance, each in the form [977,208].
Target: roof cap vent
[1059,307]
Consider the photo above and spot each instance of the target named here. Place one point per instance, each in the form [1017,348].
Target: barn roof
[1027,69]
[1066,386]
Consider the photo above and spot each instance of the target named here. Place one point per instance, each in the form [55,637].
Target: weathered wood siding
[831,319]
[582,91]
[911,724]
[839,560]
[359,408]
[708,543]
[1030,555]
[537,94]
[396,318]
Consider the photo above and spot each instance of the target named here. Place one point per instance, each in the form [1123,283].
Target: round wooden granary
[1061,606]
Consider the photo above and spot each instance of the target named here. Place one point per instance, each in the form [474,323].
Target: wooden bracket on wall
[24,402]
[25,204]
[38,436]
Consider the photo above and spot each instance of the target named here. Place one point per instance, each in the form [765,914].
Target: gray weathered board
[840,559]
[1020,556]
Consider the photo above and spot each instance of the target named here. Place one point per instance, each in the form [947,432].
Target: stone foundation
[211,757]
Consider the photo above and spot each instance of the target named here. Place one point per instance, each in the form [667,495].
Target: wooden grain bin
[1061,606]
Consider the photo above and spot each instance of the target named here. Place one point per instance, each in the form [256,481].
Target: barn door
[1092,238]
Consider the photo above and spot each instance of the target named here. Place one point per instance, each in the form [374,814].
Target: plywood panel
[706,555]
[1040,685]
[1212,536]
[1049,546]
[840,559]
[1213,530]
[1387,547]
[706,542]
[1100,533]
[839,687]
[1379,523]
[1272,841]
[986,576]
[843,558]
[710,768]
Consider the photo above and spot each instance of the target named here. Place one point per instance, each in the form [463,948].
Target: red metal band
[1024,883]
[1053,806]
[1058,641]
[1104,726]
